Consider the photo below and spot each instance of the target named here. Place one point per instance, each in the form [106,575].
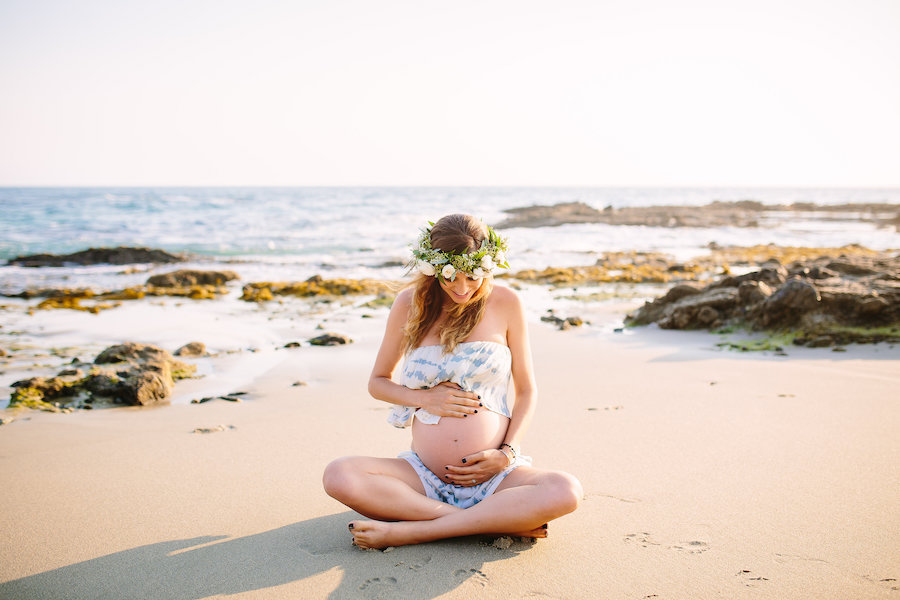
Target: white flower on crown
[500,258]
[487,263]
[479,273]
[425,268]
[448,272]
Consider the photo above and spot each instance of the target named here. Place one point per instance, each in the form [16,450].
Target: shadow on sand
[217,565]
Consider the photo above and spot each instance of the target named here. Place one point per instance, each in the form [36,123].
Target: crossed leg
[388,491]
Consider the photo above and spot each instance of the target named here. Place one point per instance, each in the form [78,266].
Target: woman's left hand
[477,468]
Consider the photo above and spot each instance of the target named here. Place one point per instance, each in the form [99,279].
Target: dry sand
[707,474]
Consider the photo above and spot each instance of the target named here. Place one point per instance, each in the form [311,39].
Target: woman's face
[461,289]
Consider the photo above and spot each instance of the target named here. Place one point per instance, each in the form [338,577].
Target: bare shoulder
[506,298]
[401,306]
[404,299]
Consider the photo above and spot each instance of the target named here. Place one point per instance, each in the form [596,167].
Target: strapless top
[480,367]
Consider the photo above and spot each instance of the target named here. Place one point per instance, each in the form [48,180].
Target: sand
[707,474]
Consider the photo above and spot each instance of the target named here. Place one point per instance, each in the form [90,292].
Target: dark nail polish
[446,468]
[350,526]
[464,461]
[479,397]
[480,404]
[476,410]
[465,415]
[544,526]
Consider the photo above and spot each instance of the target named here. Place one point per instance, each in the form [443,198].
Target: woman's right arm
[445,399]
[381,386]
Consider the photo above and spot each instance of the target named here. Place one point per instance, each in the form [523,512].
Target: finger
[461,471]
[466,481]
[466,405]
[474,458]
[470,398]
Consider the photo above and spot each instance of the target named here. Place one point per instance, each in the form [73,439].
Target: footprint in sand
[642,538]
[420,564]
[693,547]
[379,588]
[477,576]
[750,580]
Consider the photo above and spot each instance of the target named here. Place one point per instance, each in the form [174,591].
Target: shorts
[457,495]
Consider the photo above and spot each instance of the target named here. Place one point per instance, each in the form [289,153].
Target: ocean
[292,233]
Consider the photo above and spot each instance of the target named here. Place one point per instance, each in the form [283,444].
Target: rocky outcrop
[315,286]
[741,213]
[189,277]
[851,298]
[121,255]
[130,373]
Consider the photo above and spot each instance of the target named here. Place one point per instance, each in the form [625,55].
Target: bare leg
[525,500]
[387,489]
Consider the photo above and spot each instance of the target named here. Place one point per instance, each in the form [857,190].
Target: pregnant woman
[461,339]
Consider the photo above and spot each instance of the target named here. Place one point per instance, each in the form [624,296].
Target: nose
[458,285]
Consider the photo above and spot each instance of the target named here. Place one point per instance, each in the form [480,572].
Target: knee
[567,492]
[338,477]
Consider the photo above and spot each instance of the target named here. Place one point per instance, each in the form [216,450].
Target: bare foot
[377,534]
[537,532]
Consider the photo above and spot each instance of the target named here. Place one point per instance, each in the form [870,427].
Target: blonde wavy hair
[459,234]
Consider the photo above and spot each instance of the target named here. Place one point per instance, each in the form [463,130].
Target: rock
[707,316]
[103,385]
[330,339]
[753,292]
[6,420]
[92,256]
[143,388]
[850,268]
[563,324]
[683,313]
[653,311]
[854,299]
[127,373]
[2,353]
[822,341]
[293,345]
[785,307]
[51,388]
[192,350]
[189,277]
[76,373]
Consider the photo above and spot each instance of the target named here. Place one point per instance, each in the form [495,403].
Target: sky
[421,92]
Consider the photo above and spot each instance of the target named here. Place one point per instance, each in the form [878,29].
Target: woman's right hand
[447,399]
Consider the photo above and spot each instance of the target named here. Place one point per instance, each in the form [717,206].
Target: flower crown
[445,265]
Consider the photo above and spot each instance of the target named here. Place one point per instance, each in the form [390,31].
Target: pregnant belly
[455,437]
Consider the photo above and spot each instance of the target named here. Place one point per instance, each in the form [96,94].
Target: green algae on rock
[316,286]
[132,374]
[848,295]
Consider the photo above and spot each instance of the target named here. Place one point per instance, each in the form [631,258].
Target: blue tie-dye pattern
[456,495]
[480,367]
